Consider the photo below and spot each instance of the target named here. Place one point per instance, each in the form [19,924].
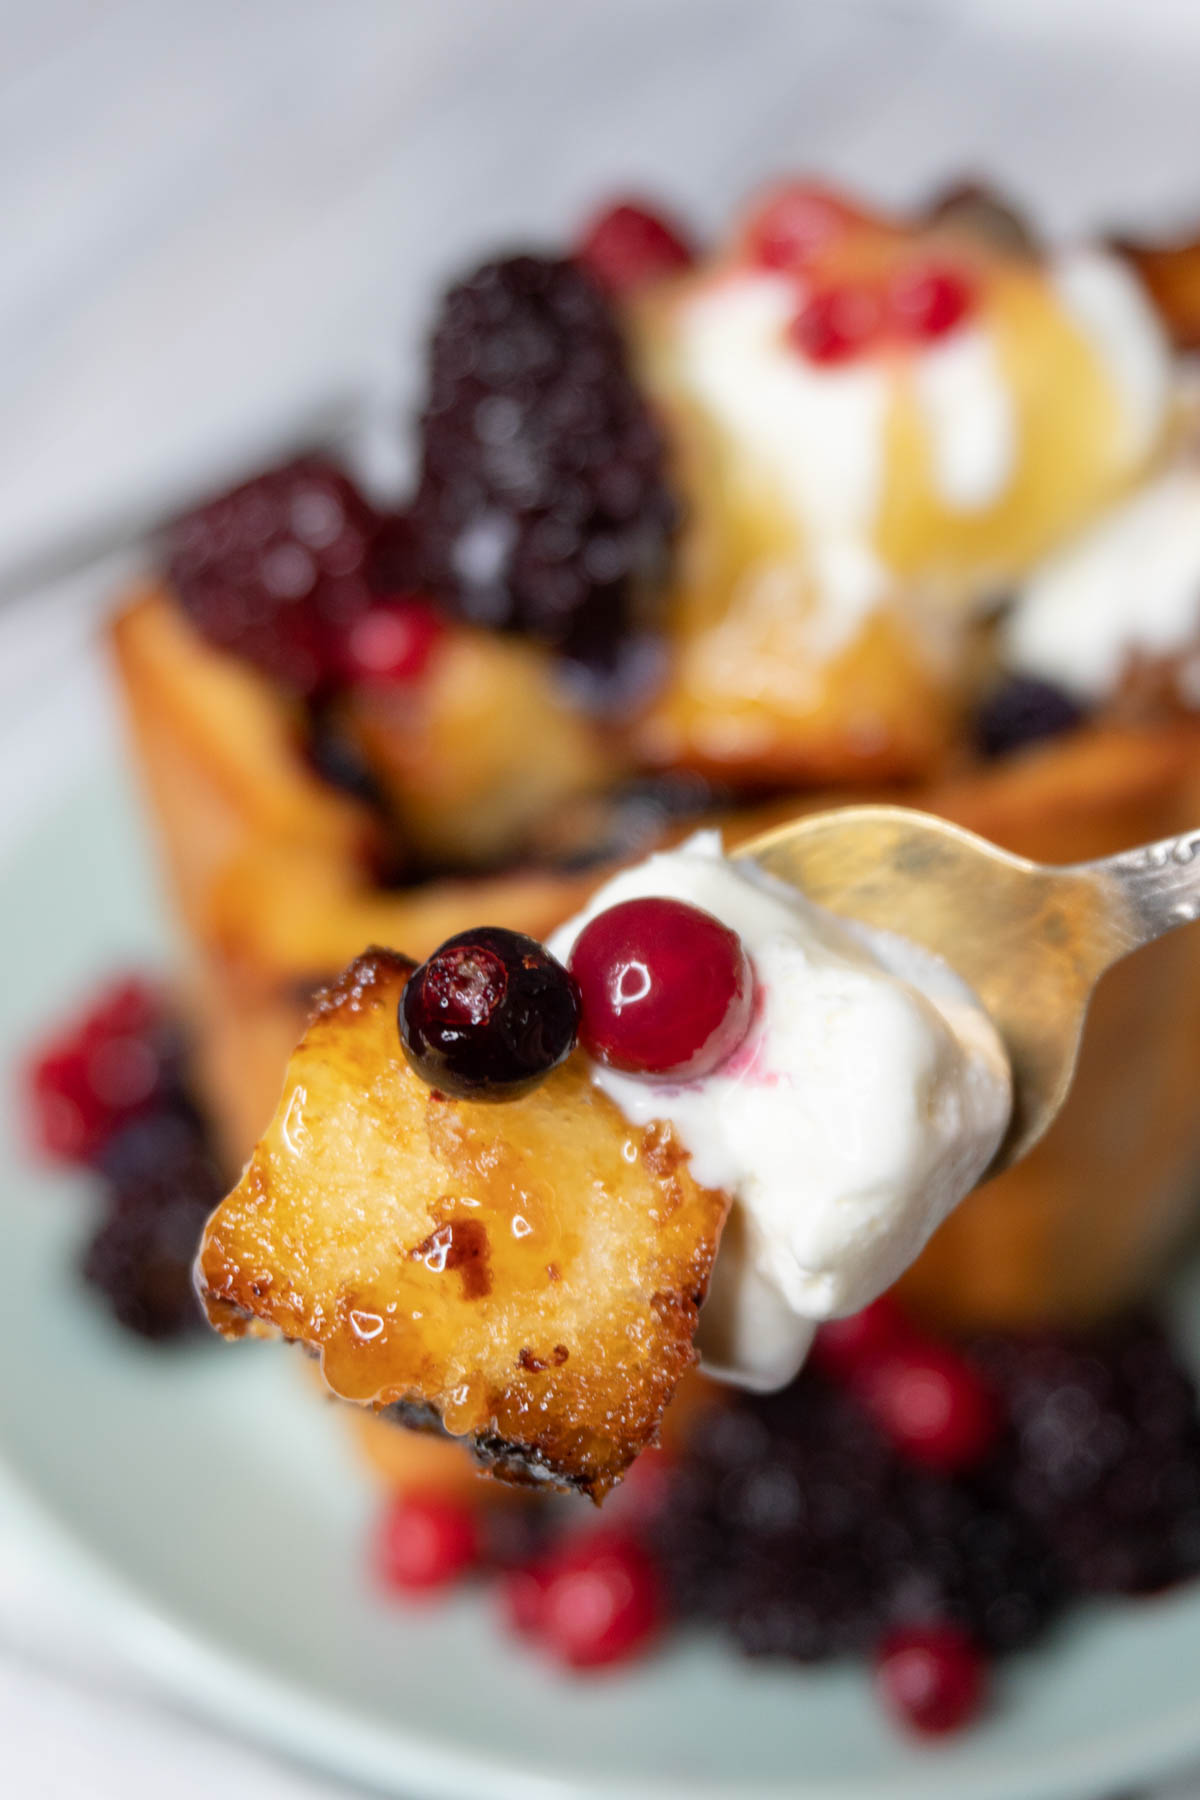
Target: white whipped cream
[1129,585]
[816,431]
[819,432]
[867,1099]
[969,414]
[1107,302]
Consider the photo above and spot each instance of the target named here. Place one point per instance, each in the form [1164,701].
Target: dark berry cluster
[162,1182]
[796,1525]
[806,1525]
[1108,1453]
[109,1094]
[276,570]
[543,504]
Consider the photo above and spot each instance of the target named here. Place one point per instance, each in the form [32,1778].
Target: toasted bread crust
[529,1272]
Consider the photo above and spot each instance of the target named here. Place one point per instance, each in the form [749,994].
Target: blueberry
[488,1015]
[1023,710]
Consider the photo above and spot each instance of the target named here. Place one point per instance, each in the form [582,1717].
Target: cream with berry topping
[868,1096]
[947,407]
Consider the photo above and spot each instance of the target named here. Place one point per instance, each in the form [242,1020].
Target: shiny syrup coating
[488,1015]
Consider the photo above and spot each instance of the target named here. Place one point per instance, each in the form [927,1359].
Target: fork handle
[1150,890]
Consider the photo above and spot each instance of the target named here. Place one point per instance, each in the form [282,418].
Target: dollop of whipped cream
[1111,308]
[868,1097]
[818,433]
[1130,586]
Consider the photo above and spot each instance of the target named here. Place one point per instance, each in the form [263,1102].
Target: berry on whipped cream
[665,989]
[868,1096]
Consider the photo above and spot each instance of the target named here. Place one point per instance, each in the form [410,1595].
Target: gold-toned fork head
[1031,939]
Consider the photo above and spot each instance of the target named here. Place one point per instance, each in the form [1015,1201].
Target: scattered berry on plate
[630,244]
[795,1525]
[665,989]
[100,1071]
[1109,1452]
[593,1602]
[426,1543]
[933,1405]
[931,1678]
[522,1592]
[543,506]
[488,1015]
[162,1183]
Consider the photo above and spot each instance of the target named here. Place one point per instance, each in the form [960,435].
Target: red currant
[925,302]
[936,1409]
[426,1543]
[931,1678]
[797,223]
[100,1073]
[665,989]
[842,1348]
[523,1598]
[392,641]
[600,1601]
[838,323]
[629,244]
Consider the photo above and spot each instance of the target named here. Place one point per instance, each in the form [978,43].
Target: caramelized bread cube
[477,754]
[527,1273]
[742,704]
[220,752]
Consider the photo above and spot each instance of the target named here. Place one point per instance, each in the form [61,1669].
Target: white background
[222,220]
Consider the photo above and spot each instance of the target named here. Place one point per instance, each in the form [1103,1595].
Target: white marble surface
[221,223]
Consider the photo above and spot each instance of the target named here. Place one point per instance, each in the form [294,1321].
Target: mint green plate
[215,1509]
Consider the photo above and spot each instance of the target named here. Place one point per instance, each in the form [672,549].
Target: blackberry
[277,569]
[543,506]
[794,1524]
[1108,1461]
[1023,710]
[163,1182]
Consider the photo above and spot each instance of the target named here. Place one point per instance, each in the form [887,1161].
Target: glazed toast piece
[220,754]
[526,1274]
[480,753]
